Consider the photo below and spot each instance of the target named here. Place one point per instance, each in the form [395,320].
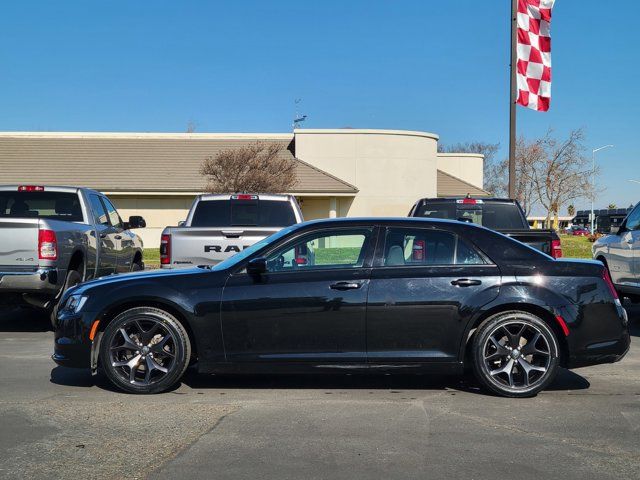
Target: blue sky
[438,66]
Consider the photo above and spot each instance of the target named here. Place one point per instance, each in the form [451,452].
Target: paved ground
[58,423]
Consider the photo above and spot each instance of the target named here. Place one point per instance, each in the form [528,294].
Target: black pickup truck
[500,214]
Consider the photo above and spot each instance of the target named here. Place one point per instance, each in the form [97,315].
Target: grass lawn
[152,257]
[575,247]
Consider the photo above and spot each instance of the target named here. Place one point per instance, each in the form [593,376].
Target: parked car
[620,253]
[500,214]
[219,226]
[578,231]
[52,238]
[393,295]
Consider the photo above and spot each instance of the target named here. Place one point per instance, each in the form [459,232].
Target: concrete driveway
[63,423]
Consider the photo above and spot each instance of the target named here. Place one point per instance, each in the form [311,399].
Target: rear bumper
[45,281]
[609,349]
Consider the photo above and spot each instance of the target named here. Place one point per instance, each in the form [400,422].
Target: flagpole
[512,101]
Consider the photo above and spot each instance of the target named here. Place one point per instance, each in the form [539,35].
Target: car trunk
[19,247]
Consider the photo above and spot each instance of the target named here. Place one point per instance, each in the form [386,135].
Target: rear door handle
[465,282]
[118,237]
[103,235]
[345,286]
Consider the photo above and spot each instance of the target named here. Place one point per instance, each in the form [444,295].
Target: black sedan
[398,295]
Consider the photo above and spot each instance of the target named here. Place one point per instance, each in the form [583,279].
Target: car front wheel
[515,354]
[144,350]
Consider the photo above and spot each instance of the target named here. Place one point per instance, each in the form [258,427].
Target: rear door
[425,285]
[104,243]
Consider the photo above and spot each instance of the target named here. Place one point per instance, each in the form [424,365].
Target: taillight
[47,245]
[165,249]
[31,188]
[607,279]
[556,249]
[300,254]
[417,252]
[244,197]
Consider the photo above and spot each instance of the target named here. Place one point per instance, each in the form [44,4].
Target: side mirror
[257,266]
[136,221]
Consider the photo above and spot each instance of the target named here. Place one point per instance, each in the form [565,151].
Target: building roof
[136,162]
[449,186]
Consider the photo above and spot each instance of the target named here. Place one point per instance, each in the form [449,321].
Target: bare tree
[257,167]
[494,177]
[191,126]
[560,173]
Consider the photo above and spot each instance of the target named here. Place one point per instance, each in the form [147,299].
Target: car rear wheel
[515,354]
[144,350]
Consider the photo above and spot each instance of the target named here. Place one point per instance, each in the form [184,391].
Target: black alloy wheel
[144,350]
[515,354]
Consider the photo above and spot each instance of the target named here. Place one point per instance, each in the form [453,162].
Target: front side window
[322,250]
[633,220]
[114,218]
[409,247]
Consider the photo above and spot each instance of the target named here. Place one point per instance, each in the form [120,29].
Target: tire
[136,266]
[74,277]
[515,354]
[144,350]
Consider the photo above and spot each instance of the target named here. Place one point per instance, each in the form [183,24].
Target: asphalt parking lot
[63,423]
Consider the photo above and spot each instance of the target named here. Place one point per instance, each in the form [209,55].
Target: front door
[122,242]
[623,251]
[425,285]
[310,306]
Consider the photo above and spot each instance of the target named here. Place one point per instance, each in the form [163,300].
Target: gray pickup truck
[52,238]
[219,226]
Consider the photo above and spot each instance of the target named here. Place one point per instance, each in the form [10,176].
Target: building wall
[391,168]
[466,166]
[158,211]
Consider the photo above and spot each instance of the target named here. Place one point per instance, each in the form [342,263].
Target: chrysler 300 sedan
[395,295]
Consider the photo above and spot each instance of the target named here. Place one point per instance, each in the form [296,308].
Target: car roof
[417,221]
[48,188]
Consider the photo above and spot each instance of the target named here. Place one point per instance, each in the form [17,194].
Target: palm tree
[571,210]
[612,206]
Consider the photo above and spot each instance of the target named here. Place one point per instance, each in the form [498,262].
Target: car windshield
[496,216]
[243,213]
[50,205]
[246,253]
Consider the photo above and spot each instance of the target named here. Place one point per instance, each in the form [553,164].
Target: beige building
[341,172]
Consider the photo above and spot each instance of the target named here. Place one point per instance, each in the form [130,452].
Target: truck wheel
[144,350]
[515,354]
[73,278]
[137,266]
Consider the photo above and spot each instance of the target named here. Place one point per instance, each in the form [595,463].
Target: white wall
[466,166]
[391,168]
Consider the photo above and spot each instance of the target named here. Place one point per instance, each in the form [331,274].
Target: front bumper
[72,347]
[47,281]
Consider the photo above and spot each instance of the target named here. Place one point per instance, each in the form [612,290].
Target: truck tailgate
[538,239]
[19,242]
[208,246]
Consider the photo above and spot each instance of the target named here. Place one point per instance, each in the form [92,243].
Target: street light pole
[593,180]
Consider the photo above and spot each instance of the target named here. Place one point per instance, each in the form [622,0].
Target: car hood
[134,277]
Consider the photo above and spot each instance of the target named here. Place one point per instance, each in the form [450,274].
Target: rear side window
[243,213]
[496,216]
[408,246]
[50,205]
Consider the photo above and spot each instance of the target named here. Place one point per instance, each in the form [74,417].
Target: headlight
[74,303]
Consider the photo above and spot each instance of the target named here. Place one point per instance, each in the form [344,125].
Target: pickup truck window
[243,213]
[114,218]
[99,213]
[496,216]
[633,220]
[50,205]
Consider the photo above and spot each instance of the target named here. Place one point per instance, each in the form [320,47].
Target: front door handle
[465,282]
[345,286]
[118,237]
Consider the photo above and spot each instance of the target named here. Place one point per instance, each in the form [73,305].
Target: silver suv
[620,252]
